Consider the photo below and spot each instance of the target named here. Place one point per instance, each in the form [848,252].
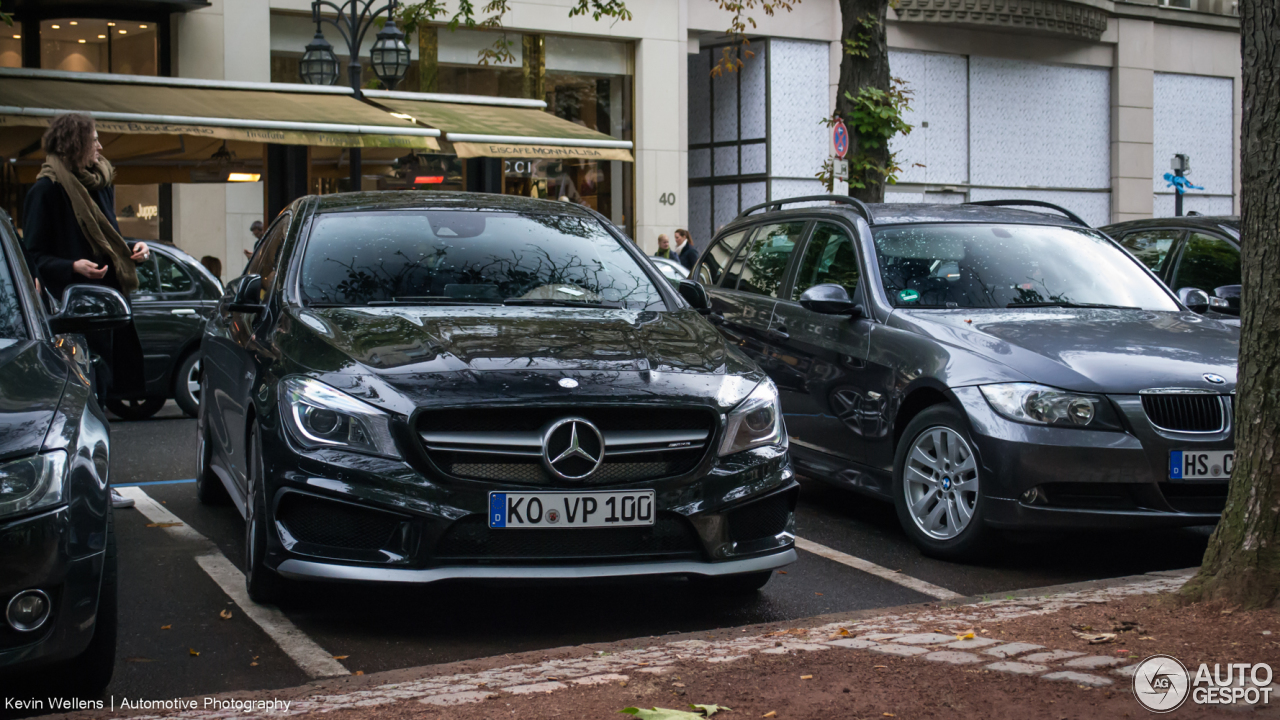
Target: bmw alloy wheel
[940,481]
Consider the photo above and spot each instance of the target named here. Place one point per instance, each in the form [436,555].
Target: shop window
[93,45]
[10,47]
[138,211]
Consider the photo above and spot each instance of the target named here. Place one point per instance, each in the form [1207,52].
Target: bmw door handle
[777,335]
[183,311]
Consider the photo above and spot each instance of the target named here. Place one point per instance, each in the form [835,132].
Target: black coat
[54,241]
[688,256]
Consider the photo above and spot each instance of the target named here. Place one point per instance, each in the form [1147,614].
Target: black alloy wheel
[136,408]
[186,383]
[209,487]
[265,586]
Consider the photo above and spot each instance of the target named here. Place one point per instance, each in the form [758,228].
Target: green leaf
[709,710]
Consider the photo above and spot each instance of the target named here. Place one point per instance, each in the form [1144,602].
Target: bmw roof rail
[1031,203]
[855,203]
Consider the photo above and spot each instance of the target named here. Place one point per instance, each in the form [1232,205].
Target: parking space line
[871,568]
[305,652]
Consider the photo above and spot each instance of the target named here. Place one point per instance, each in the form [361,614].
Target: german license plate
[553,510]
[1201,464]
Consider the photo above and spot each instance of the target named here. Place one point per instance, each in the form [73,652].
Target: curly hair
[70,137]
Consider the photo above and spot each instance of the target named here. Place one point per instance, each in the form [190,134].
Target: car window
[1208,262]
[763,264]
[12,325]
[463,257]
[1151,247]
[998,266]
[268,253]
[148,276]
[171,277]
[717,258]
[830,257]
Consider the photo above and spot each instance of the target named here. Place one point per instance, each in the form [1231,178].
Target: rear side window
[718,257]
[1208,262]
[830,257]
[1151,247]
[763,264]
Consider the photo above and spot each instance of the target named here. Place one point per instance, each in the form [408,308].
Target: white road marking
[313,659]
[871,568]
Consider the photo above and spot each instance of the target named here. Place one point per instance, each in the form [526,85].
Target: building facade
[1078,102]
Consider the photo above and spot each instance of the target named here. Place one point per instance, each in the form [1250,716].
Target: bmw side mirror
[86,308]
[830,299]
[247,295]
[1226,299]
[695,295]
[1196,300]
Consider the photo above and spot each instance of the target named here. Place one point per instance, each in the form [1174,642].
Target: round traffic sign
[840,138]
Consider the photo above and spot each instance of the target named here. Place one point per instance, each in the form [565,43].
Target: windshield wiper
[428,301]
[539,302]
[1071,305]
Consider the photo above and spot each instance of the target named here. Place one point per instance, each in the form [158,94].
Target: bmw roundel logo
[1215,379]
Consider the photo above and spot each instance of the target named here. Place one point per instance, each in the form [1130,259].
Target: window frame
[1165,269]
[798,261]
[784,286]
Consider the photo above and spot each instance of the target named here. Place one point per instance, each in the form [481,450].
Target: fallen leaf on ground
[881,667]
[677,684]
[165,524]
[806,677]
[1095,638]
[658,713]
[709,710]
[359,672]
[782,572]
[253,664]
[1146,637]
[966,636]
[771,713]
[166,627]
[889,715]
[341,657]
[193,652]
[817,593]
[225,614]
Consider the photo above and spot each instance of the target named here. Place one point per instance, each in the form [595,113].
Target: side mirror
[1196,300]
[830,299]
[86,308]
[695,295]
[1226,299]
[247,295]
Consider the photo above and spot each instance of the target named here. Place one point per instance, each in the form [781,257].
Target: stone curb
[907,631]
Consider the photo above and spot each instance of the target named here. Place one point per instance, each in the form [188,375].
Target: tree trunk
[1242,563]
[858,72]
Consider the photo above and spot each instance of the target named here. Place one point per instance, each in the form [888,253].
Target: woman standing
[70,228]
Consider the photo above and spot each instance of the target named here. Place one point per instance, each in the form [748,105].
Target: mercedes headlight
[1041,405]
[756,421]
[319,416]
[32,483]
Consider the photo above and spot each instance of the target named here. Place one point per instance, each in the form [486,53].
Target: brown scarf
[103,237]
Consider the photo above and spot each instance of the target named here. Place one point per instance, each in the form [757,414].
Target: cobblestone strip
[936,635]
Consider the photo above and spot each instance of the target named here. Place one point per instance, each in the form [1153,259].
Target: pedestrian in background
[685,252]
[213,265]
[257,230]
[664,248]
[70,229]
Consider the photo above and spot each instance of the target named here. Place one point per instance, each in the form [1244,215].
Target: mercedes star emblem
[572,448]
[1215,379]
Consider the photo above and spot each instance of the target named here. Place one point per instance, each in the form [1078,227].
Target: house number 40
[667,198]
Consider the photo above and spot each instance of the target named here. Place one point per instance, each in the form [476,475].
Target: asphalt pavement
[172,608]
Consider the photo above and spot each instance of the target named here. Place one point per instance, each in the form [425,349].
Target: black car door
[751,286]
[228,364]
[168,311]
[832,400]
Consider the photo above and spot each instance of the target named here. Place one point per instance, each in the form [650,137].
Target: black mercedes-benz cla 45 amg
[413,387]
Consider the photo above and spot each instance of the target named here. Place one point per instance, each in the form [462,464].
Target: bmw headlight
[756,421]
[32,483]
[1041,405]
[320,416]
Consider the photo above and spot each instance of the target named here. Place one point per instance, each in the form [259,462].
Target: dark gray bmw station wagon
[979,366]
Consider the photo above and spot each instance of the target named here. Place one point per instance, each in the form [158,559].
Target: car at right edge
[980,366]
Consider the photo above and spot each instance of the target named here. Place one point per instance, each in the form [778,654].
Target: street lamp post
[389,55]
